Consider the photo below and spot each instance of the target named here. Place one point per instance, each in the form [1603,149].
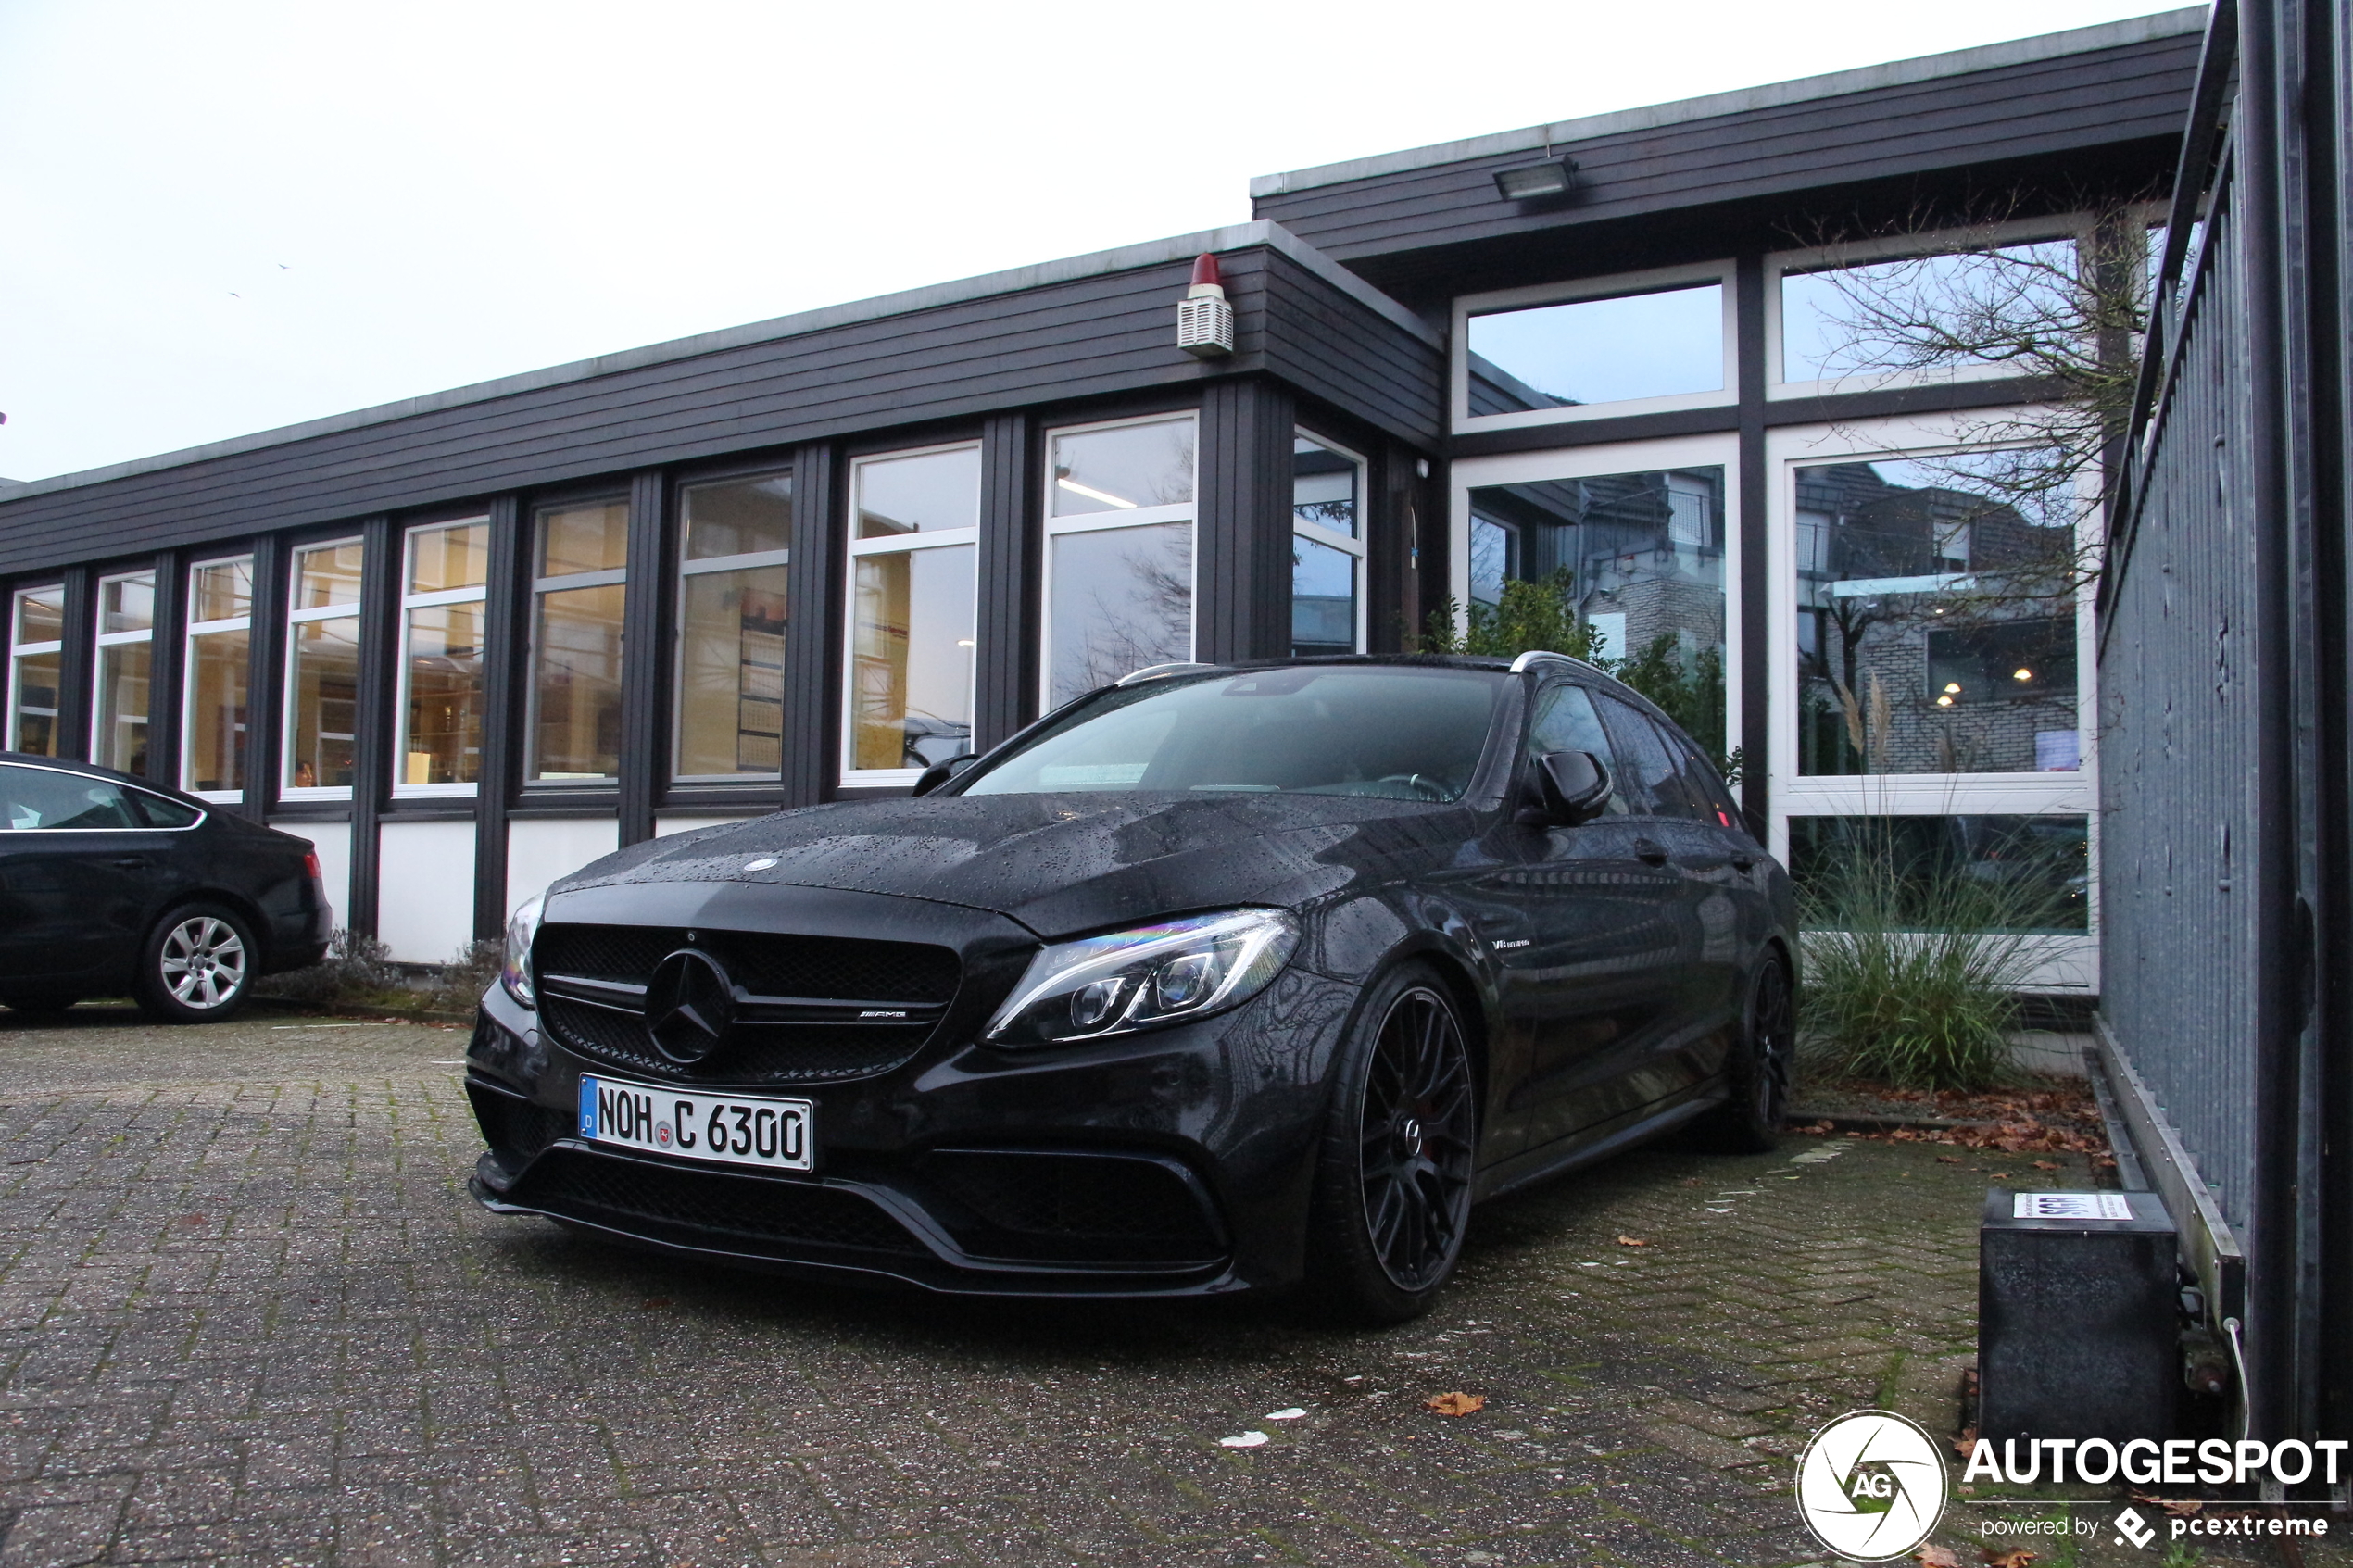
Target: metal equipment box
[2077,1306]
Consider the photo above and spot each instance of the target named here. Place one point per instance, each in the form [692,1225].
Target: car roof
[1536,663]
[97,771]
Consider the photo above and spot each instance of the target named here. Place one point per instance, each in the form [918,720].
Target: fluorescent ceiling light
[1094,494]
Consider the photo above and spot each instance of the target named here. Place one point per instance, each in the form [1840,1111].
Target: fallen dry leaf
[2046,1165]
[1930,1555]
[2017,1557]
[1456,1404]
[1948,1159]
[2178,1507]
[1631,1241]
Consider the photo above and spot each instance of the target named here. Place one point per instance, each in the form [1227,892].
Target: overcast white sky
[216,217]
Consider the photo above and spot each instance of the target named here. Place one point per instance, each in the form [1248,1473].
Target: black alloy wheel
[197,966]
[1394,1184]
[1756,1075]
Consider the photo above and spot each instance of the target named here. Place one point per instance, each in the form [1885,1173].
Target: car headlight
[1166,972]
[514,972]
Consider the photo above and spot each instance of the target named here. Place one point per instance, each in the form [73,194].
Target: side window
[162,813]
[1648,772]
[1705,784]
[1565,721]
[35,798]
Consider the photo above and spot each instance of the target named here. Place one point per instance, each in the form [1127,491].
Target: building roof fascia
[1865,79]
[1019,279]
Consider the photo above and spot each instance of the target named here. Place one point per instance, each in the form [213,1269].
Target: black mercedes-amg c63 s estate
[1220,978]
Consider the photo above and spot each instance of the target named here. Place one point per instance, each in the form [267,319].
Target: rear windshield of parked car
[1394,733]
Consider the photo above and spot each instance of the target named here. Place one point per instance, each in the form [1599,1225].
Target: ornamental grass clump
[1913,969]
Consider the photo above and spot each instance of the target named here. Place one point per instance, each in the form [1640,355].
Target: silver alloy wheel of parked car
[204,962]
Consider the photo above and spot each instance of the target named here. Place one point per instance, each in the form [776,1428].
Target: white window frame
[2068,963]
[747,561]
[287,788]
[896,544]
[19,650]
[606,577]
[1720,451]
[1352,544]
[409,601]
[1188,512]
[188,636]
[1660,280]
[105,639]
[2077,227]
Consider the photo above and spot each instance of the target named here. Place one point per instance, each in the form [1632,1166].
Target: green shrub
[1913,967]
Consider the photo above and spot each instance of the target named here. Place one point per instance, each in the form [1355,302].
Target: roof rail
[1154,671]
[1520,664]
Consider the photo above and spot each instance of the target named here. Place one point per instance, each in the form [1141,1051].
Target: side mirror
[1575,785]
[940,772]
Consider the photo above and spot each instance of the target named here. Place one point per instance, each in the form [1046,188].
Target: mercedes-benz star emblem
[689,1006]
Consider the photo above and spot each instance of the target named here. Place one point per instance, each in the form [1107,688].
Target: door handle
[1650,852]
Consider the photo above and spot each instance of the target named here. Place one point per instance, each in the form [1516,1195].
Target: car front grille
[518,1129]
[677,1203]
[801,993]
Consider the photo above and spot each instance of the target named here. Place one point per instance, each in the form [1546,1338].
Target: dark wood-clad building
[470,642]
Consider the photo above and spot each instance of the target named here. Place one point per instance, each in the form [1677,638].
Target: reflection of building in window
[1935,626]
[1327,548]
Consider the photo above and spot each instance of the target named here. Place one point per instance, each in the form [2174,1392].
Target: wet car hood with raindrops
[1061,863]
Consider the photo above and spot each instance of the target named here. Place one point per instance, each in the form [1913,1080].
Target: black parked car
[109,883]
[1220,978]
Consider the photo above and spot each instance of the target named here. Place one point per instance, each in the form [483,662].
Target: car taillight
[311,865]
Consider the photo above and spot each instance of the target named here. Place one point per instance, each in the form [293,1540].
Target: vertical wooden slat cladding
[1107,333]
[2099,98]
[265,660]
[1756,581]
[371,716]
[1006,694]
[1241,586]
[812,629]
[77,663]
[167,657]
[645,751]
[1329,345]
[505,704]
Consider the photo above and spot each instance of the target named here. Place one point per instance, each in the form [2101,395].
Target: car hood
[1058,863]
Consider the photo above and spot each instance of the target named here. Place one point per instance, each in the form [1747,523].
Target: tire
[1393,1175]
[197,966]
[1756,1074]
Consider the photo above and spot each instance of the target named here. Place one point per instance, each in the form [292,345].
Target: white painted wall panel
[332,841]
[540,849]
[425,889]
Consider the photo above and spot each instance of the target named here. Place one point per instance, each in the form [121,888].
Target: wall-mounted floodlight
[1554,177]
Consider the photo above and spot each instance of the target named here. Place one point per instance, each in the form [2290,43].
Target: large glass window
[445,572]
[1993,872]
[126,635]
[1327,548]
[37,652]
[736,555]
[322,668]
[579,592]
[1936,616]
[1666,343]
[1641,556]
[1119,552]
[915,530]
[212,746]
[1917,313]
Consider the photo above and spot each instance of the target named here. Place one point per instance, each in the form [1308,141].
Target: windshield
[1395,733]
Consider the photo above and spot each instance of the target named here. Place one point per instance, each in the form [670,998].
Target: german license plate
[737,1129]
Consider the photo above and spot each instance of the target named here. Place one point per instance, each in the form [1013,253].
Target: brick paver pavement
[247,1313]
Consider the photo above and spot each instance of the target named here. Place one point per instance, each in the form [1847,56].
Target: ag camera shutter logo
[1872,1485]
